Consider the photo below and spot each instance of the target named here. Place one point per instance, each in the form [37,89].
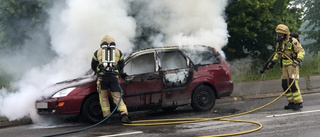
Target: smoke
[75,28]
[184,22]
[243,67]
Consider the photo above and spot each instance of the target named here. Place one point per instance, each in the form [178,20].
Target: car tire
[91,110]
[203,98]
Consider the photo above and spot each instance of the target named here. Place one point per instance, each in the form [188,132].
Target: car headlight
[63,93]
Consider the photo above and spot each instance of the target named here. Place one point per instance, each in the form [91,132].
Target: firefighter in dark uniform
[107,62]
[291,47]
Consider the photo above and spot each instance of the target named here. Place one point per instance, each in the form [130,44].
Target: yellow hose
[157,122]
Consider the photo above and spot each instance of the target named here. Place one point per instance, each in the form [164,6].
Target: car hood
[78,81]
[68,83]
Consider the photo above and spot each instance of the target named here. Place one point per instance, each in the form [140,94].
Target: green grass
[309,67]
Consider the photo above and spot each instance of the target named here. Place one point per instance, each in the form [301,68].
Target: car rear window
[203,56]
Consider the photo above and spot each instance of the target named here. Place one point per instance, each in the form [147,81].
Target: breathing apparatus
[108,56]
[279,40]
[280,37]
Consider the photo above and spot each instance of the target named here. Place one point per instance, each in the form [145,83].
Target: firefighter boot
[125,119]
[297,106]
[289,106]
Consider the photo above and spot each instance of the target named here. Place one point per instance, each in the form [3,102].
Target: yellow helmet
[283,29]
[107,39]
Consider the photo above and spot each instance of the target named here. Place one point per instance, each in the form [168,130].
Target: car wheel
[203,98]
[91,110]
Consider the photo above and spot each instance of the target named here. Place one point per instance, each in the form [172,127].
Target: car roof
[150,50]
[153,49]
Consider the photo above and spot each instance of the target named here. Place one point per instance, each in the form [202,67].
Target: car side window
[203,57]
[141,64]
[172,60]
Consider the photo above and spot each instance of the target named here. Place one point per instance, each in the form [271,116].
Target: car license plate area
[42,105]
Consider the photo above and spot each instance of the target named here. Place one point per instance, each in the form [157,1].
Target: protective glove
[123,75]
[270,65]
[296,62]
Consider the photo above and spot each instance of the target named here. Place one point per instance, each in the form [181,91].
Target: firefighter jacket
[290,47]
[97,62]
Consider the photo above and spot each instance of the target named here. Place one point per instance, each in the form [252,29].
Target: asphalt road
[246,96]
[276,122]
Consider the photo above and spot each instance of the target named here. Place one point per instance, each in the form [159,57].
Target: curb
[259,96]
[4,122]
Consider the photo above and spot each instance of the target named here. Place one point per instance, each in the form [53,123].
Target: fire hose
[157,122]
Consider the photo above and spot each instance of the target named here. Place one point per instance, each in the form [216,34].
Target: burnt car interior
[172,60]
[141,64]
[175,68]
[203,56]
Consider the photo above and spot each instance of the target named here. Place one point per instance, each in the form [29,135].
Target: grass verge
[246,71]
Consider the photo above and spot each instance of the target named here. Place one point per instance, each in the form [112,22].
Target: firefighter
[107,62]
[291,47]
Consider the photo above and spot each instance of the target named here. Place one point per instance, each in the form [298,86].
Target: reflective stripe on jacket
[292,49]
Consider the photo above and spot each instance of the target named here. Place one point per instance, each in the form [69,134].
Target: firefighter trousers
[290,74]
[104,100]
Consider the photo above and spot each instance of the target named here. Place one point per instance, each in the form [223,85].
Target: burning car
[156,78]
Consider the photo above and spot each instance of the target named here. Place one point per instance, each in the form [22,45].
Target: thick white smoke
[77,26]
[186,22]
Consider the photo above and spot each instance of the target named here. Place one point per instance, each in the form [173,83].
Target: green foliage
[312,16]
[5,79]
[252,23]
[17,18]
[309,67]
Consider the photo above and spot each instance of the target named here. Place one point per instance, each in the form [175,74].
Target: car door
[143,83]
[174,66]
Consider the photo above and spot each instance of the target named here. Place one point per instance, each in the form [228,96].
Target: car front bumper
[48,106]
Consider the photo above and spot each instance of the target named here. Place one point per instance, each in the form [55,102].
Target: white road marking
[122,134]
[296,113]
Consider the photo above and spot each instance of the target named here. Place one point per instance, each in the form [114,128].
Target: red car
[157,78]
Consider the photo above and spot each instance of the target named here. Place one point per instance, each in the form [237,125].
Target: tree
[252,23]
[312,17]
[17,18]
